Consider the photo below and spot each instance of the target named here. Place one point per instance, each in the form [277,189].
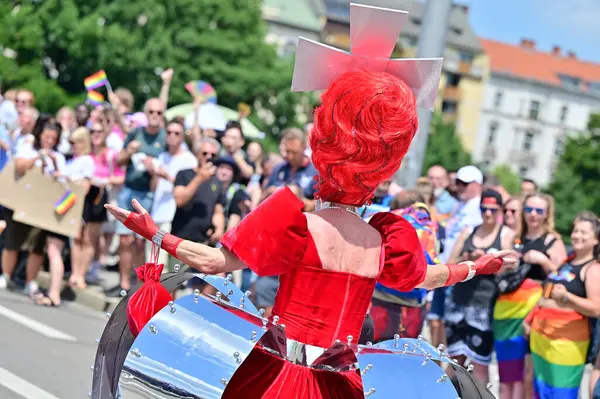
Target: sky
[573,25]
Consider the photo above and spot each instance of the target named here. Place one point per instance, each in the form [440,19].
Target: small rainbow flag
[98,79]
[203,89]
[95,98]
[65,202]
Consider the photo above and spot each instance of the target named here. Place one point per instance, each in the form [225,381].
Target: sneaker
[32,288]
[3,282]
[116,292]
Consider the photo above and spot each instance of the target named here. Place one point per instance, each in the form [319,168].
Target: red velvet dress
[317,306]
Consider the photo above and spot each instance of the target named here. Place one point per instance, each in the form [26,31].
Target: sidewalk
[93,296]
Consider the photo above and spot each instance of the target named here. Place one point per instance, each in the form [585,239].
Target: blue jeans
[596,393]
[436,312]
[145,198]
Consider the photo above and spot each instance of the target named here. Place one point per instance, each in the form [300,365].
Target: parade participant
[329,260]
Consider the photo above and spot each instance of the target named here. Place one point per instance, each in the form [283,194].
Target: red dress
[317,306]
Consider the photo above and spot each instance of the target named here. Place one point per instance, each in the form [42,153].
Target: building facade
[532,101]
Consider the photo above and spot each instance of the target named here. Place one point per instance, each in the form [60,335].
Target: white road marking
[22,387]
[36,326]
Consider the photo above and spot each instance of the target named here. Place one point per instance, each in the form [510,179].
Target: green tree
[57,43]
[508,179]
[444,146]
[576,181]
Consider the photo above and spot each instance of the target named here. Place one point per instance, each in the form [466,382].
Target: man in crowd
[469,183]
[140,149]
[233,141]
[297,169]
[444,203]
[528,187]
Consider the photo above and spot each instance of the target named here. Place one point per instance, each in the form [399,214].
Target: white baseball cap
[470,174]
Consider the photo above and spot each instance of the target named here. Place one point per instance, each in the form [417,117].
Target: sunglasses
[530,209]
[511,211]
[209,154]
[176,133]
[484,209]
[154,112]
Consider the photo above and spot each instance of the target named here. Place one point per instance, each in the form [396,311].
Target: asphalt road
[46,353]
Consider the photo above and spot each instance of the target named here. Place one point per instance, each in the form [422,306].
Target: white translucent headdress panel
[373,35]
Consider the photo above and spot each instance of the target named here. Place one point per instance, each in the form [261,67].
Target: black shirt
[234,206]
[193,220]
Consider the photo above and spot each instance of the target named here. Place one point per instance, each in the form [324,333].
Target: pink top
[106,165]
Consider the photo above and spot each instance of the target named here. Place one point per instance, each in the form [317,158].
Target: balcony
[452,93]
[525,159]
[489,153]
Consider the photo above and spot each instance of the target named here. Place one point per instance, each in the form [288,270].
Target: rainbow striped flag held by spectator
[96,80]
[94,98]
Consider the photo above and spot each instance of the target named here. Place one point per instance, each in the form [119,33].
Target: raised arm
[199,256]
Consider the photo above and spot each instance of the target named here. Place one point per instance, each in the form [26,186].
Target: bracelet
[472,271]
[565,299]
[158,237]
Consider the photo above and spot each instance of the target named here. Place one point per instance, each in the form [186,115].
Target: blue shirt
[304,177]
[4,154]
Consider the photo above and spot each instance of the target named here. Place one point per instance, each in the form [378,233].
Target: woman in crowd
[559,326]
[541,251]
[43,154]
[469,305]
[109,177]
[80,170]
[512,213]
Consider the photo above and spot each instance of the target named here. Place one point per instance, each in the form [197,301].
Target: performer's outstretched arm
[199,256]
[447,275]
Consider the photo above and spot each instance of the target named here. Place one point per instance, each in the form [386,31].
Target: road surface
[46,353]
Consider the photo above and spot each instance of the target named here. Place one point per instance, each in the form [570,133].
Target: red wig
[363,128]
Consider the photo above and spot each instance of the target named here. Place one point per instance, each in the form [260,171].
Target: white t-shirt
[81,167]
[114,142]
[163,208]
[27,151]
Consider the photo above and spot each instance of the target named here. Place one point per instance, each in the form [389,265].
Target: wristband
[472,271]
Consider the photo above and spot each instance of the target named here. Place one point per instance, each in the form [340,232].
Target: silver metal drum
[189,350]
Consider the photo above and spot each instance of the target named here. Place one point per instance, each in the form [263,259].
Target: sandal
[46,301]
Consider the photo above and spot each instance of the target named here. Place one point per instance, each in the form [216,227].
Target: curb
[91,297]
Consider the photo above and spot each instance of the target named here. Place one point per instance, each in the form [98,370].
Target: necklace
[322,205]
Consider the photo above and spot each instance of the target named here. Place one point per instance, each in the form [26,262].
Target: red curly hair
[363,128]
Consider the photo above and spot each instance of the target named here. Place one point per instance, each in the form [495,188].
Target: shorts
[145,198]
[436,312]
[18,235]
[471,342]
[93,206]
[266,291]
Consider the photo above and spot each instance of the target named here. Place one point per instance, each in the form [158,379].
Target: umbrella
[183,110]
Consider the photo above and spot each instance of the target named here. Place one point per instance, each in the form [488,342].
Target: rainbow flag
[509,340]
[65,203]
[95,98]
[203,89]
[98,79]
[559,344]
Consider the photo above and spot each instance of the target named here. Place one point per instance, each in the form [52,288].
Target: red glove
[487,264]
[145,226]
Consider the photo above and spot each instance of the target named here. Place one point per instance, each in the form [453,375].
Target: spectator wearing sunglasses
[468,308]
[169,163]
[140,150]
[512,213]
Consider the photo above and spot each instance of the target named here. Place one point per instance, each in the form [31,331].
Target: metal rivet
[443,378]
[172,305]
[282,326]
[349,338]
[136,352]
[253,336]
[428,357]
[369,343]
[124,293]
[152,329]
[89,394]
[241,306]
[176,267]
[202,276]
[441,347]
[229,277]
[236,355]
[92,368]
[107,314]
[97,340]
[223,381]
[489,385]
[470,368]
[405,347]
[247,294]
[371,392]
[337,341]
[396,339]
[229,293]
[275,319]
[369,367]
[261,311]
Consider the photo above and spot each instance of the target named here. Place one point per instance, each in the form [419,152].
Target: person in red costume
[328,261]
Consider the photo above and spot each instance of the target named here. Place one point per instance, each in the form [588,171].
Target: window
[449,107]
[492,132]
[498,99]
[563,113]
[523,170]
[559,146]
[466,57]
[528,140]
[534,110]
[453,79]
[570,81]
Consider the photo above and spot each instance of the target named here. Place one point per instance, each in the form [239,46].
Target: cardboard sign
[9,197]
[35,203]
